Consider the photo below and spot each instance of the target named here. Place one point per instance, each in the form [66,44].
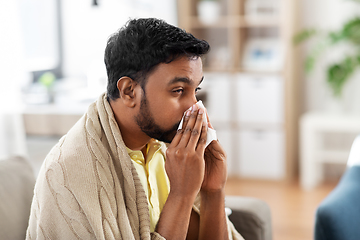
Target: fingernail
[194,108]
[201,111]
[188,113]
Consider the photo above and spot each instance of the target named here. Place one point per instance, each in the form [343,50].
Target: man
[107,178]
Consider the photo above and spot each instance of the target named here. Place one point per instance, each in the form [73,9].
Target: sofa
[250,216]
[16,190]
[338,215]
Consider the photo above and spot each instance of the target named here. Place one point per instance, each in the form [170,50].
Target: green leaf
[304,35]
[336,37]
[351,30]
[309,64]
[339,73]
[315,52]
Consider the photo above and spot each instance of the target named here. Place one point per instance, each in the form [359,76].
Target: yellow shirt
[153,178]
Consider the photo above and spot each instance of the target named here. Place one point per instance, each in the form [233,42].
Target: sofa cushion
[251,217]
[16,191]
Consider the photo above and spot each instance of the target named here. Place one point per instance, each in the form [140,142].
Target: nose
[194,99]
[191,101]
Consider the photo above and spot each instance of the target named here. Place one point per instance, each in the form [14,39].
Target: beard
[146,122]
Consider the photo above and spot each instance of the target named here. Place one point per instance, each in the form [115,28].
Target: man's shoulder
[71,148]
[69,164]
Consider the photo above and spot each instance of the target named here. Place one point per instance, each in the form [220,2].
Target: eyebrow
[184,80]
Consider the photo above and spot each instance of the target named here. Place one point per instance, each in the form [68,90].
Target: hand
[185,167]
[213,218]
[215,167]
[185,163]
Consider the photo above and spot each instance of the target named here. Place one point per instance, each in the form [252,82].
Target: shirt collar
[151,148]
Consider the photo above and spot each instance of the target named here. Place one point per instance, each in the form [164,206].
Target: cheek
[172,115]
[169,114]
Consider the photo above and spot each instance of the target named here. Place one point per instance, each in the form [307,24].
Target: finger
[202,140]
[197,130]
[189,126]
[180,131]
[186,118]
[177,138]
[208,120]
[216,149]
[215,144]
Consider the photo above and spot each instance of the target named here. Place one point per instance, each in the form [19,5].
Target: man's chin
[161,135]
[167,138]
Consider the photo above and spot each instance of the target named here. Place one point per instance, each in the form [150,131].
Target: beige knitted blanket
[88,188]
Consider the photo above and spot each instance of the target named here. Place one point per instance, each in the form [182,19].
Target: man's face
[169,91]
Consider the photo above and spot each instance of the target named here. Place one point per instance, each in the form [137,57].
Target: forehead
[181,68]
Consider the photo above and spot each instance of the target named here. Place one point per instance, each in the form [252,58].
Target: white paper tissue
[211,133]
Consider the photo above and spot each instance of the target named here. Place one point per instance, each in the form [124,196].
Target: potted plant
[339,72]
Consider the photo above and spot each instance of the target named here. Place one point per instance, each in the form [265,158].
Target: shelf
[76,108]
[197,24]
[246,40]
[250,21]
[215,69]
[260,71]
[238,125]
[333,156]
[244,71]
[236,21]
[259,126]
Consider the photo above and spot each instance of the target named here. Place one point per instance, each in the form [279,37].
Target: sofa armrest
[338,215]
[251,217]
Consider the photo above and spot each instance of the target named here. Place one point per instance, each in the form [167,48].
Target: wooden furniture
[313,128]
[52,119]
[251,87]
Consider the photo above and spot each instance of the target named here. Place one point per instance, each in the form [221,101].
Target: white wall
[328,15]
[13,74]
[86,28]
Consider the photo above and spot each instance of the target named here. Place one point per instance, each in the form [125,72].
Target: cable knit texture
[88,188]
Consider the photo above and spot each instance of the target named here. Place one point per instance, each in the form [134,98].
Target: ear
[127,91]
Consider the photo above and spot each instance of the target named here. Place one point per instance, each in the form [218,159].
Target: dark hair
[138,47]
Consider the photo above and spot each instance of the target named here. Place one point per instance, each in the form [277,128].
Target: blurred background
[280,124]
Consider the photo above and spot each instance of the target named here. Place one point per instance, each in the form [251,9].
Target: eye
[178,91]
